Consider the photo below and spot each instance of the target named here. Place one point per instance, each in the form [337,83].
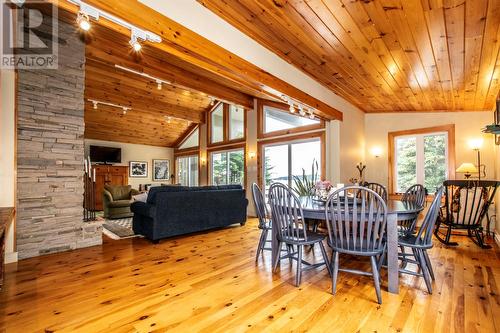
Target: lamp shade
[467,168]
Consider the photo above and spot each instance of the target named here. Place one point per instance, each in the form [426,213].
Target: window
[276,120]
[191,141]
[227,167]
[226,124]
[217,124]
[187,170]
[236,122]
[283,161]
[422,156]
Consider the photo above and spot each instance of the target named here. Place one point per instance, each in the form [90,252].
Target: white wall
[497,200]
[133,152]
[7,154]
[468,125]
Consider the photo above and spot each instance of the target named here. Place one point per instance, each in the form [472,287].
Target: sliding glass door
[227,167]
[283,161]
[187,170]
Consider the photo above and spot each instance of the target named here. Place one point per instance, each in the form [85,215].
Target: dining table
[397,210]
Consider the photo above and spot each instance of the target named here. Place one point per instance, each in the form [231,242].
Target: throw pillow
[141,197]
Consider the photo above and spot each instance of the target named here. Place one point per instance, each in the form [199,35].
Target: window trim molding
[226,148]
[286,140]
[260,121]
[449,129]
[225,129]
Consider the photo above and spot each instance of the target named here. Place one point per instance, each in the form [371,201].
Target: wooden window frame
[287,140]
[260,121]
[449,129]
[239,146]
[225,117]
[183,139]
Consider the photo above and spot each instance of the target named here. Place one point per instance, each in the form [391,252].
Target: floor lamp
[476,145]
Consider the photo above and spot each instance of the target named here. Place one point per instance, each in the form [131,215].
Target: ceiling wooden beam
[197,50]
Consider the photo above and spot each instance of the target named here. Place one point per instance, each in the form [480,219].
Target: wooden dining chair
[379,189]
[356,219]
[416,196]
[265,224]
[288,218]
[420,243]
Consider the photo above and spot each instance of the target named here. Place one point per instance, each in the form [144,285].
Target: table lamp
[467,169]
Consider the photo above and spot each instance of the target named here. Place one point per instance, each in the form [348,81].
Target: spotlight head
[94,105]
[83,21]
[135,43]
[169,120]
[159,85]
[292,109]
[212,101]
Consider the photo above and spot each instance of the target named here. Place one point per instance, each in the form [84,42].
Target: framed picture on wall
[138,169]
[161,170]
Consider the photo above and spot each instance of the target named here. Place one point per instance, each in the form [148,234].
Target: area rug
[118,228]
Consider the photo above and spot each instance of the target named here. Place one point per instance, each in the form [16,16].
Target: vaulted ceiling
[383,55]
[156,117]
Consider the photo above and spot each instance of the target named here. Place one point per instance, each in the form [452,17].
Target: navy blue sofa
[178,210]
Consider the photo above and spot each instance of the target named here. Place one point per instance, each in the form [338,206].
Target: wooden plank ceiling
[180,44]
[383,55]
[157,117]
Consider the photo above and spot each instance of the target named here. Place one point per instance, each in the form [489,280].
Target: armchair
[116,200]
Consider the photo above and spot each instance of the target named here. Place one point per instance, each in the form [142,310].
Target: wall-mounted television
[100,154]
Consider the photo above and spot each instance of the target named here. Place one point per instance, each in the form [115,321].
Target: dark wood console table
[6,214]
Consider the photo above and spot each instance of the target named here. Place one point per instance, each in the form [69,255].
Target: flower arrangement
[322,189]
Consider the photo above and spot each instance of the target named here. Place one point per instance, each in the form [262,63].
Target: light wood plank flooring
[210,282]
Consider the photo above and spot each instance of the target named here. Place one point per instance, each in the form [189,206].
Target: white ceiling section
[199,19]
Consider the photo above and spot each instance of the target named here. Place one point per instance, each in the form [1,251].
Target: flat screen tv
[100,154]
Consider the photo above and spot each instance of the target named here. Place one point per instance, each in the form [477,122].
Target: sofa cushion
[119,203]
[119,192]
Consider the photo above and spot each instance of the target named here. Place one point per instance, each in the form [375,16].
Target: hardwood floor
[210,282]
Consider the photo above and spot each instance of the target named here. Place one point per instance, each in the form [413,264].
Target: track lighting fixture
[212,101]
[158,81]
[96,102]
[304,109]
[169,119]
[136,34]
[83,21]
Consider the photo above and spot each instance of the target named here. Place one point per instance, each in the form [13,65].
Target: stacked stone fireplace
[50,154]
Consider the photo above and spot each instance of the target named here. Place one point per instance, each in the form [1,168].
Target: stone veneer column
[50,154]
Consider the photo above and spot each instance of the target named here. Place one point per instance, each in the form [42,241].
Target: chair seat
[357,250]
[312,237]
[411,241]
[119,203]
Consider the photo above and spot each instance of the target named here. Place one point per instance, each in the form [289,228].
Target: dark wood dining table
[397,211]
